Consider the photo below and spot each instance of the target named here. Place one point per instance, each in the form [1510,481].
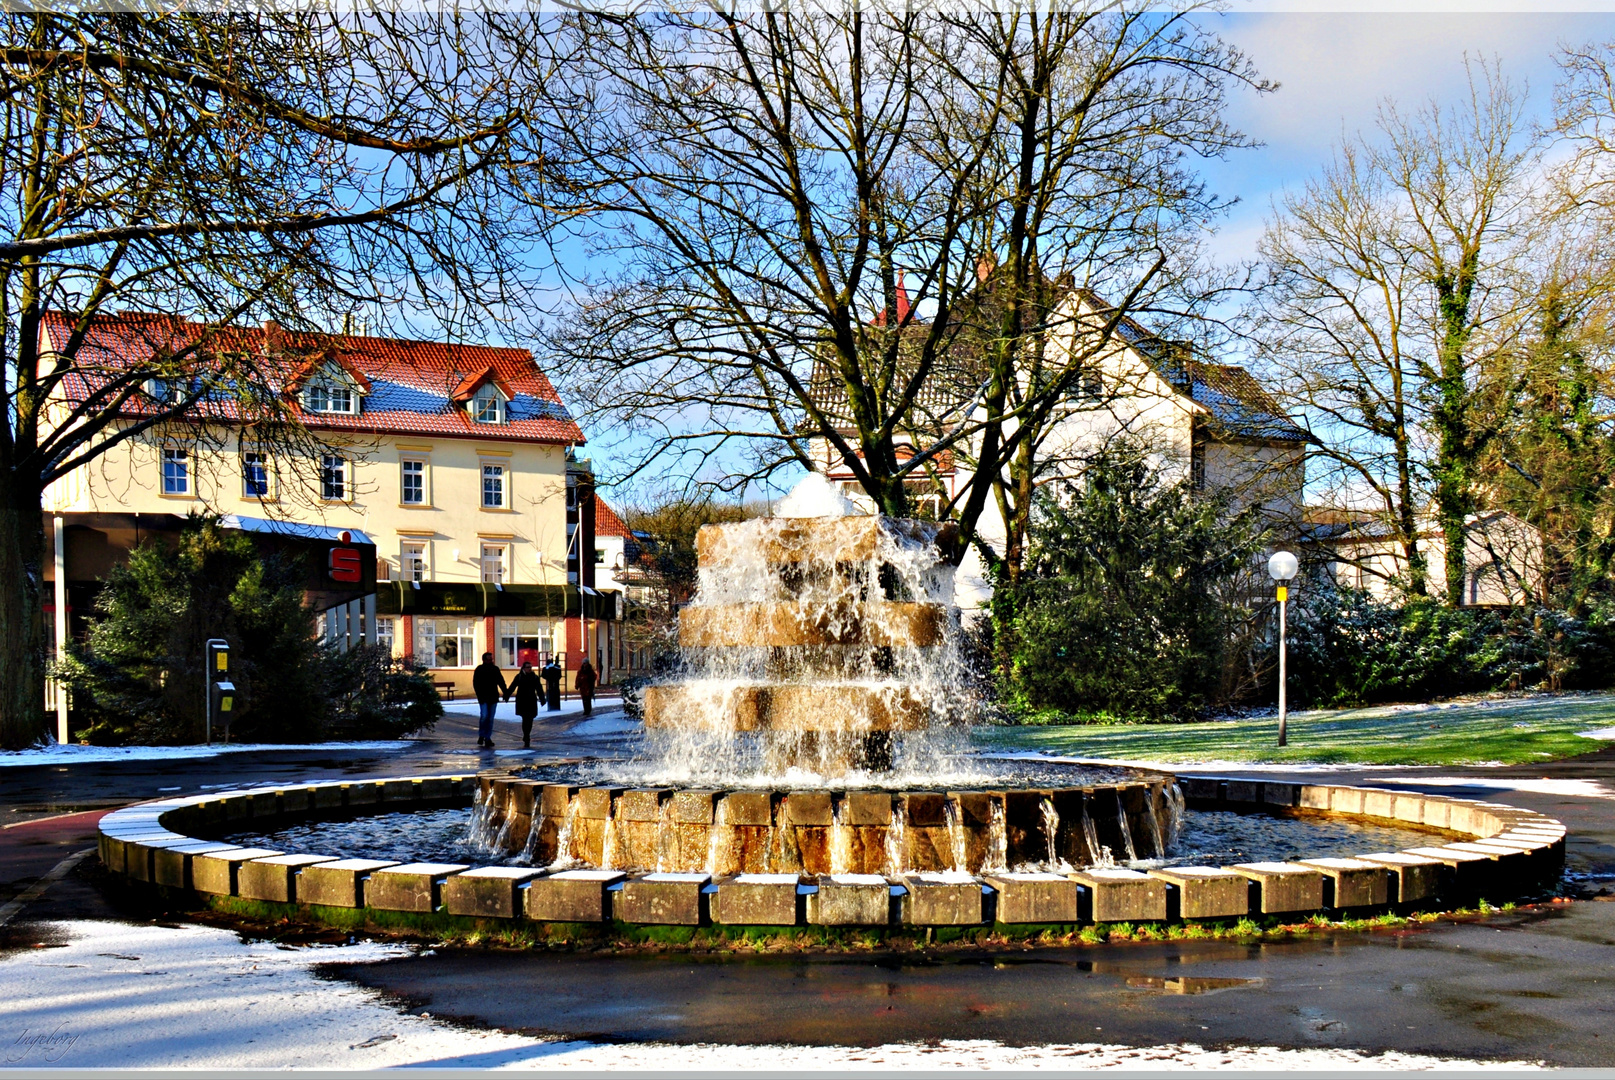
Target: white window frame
[510,630]
[502,478]
[344,482]
[262,461]
[386,631]
[332,395]
[423,496]
[487,405]
[499,554]
[176,481]
[428,641]
[411,568]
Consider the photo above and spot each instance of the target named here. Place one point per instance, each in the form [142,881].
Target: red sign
[344,564]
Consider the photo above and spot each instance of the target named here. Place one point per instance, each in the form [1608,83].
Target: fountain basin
[826,831]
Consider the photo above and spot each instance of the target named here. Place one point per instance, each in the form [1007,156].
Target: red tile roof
[606,521]
[411,384]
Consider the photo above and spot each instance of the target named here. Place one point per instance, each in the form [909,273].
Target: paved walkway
[1533,985]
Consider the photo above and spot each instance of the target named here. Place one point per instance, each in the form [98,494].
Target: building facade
[457,461]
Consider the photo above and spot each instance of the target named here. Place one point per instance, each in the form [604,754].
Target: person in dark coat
[527,687]
[488,682]
[552,686]
[586,681]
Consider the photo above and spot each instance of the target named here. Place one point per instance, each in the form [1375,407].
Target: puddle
[1189,985]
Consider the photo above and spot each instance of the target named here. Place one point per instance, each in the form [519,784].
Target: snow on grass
[165,997]
[1507,731]
[72,754]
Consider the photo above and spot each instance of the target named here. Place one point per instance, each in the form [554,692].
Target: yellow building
[456,461]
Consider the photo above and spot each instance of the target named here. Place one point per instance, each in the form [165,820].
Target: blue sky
[1335,68]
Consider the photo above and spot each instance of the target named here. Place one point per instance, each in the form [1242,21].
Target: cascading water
[958,839]
[719,839]
[1156,834]
[563,839]
[1099,853]
[840,840]
[997,839]
[896,842]
[819,644]
[1127,833]
[1051,830]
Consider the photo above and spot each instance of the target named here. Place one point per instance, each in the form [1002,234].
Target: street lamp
[1281,568]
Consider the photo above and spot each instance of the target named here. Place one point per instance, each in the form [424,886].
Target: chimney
[273,340]
[985,266]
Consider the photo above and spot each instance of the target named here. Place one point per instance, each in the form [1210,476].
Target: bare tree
[855,228]
[1396,278]
[226,168]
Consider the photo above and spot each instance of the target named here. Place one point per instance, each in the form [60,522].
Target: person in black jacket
[527,686]
[586,680]
[489,682]
[552,686]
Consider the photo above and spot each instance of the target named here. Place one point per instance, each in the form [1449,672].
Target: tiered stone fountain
[820,651]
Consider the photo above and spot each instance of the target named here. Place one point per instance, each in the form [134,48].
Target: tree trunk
[22,616]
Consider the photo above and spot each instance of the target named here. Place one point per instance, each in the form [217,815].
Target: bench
[445,689]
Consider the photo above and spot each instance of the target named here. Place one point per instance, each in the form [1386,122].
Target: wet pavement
[1532,985]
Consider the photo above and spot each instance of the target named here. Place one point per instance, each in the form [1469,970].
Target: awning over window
[472,599]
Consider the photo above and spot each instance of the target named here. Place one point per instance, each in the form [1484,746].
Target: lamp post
[1281,568]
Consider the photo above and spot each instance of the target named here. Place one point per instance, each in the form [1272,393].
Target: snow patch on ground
[1606,733]
[153,997]
[1216,768]
[72,754]
[1581,789]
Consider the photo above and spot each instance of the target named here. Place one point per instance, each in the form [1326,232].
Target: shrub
[1124,609]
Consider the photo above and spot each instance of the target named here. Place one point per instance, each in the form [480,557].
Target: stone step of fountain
[779,625]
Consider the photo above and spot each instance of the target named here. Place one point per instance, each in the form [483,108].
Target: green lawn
[1509,731]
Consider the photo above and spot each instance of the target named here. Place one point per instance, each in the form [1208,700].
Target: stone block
[209,814]
[488,892]
[867,808]
[215,872]
[337,884]
[850,900]
[139,854]
[748,808]
[402,792]
[275,877]
[1313,797]
[1201,789]
[572,896]
[437,788]
[265,804]
[1035,898]
[1346,800]
[325,797]
[809,808]
[641,804]
[1284,887]
[237,808]
[1468,872]
[693,807]
[594,803]
[1462,816]
[1242,791]
[926,809]
[976,807]
[361,793]
[521,797]
[756,900]
[1120,895]
[1413,877]
[1206,892]
[1380,804]
[942,898]
[1437,812]
[555,798]
[1410,808]
[409,886]
[1515,865]
[295,802]
[1352,883]
[171,866]
[662,899]
[1281,794]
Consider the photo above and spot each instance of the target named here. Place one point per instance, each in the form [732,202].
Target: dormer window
[488,405]
[328,398]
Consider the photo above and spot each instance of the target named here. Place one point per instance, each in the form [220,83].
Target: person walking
[527,687]
[552,686]
[488,682]
[586,681]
